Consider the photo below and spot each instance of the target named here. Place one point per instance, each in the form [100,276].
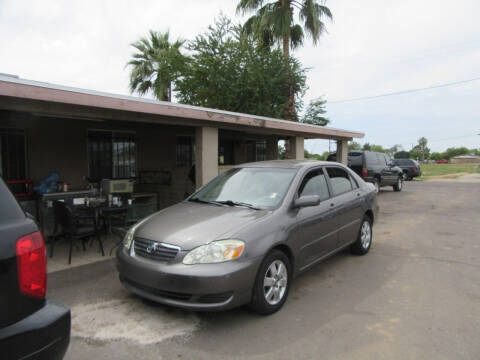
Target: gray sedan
[244,236]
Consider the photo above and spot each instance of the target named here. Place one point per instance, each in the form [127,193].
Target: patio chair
[74,227]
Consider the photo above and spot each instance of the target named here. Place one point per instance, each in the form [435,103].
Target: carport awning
[56,100]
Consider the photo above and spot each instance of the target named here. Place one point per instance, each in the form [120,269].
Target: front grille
[154,250]
[215,298]
[163,293]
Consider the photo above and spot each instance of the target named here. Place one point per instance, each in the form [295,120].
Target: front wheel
[399,184]
[364,239]
[272,283]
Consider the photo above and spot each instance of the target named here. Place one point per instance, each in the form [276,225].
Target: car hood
[189,224]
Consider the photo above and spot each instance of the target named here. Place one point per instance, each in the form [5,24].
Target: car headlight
[215,252]
[127,240]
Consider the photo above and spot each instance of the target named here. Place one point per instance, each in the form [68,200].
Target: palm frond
[155,64]
[245,6]
[296,36]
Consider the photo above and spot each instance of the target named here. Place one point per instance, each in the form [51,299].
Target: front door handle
[332,205]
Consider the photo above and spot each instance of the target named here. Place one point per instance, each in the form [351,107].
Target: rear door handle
[332,205]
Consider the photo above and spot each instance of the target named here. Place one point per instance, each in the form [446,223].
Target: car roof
[286,164]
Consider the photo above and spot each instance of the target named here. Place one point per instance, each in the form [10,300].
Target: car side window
[340,180]
[314,183]
[387,159]
[381,159]
[371,158]
[354,182]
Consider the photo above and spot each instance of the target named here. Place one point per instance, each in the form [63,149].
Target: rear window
[9,208]
[403,162]
[355,158]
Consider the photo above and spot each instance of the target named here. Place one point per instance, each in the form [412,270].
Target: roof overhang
[55,100]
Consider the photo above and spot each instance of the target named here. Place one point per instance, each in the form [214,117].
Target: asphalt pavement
[416,295]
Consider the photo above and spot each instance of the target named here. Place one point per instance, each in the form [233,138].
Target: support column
[342,151]
[206,155]
[272,148]
[296,148]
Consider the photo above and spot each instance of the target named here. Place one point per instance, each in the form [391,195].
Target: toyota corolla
[244,236]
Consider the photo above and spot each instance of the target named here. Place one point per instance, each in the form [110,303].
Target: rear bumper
[201,287]
[413,173]
[44,334]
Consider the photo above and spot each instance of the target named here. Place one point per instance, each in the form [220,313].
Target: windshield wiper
[237,203]
[198,200]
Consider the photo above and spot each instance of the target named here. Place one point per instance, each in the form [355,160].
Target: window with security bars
[185,151]
[12,154]
[261,150]
[111,155]
[256,150]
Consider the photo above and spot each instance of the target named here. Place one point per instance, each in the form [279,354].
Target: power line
[453,138]
[404,91]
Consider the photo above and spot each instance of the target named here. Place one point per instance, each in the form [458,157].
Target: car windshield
[252,187]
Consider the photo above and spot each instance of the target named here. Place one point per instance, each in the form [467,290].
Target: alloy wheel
[366,234]
[275,282]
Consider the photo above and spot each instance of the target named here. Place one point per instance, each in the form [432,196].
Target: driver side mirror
[308,200]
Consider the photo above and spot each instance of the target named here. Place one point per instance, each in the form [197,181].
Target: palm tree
[155,65]
[274,21]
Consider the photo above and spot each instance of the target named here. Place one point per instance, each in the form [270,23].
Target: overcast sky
[372,47]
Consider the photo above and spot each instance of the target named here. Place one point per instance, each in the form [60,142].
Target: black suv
[31,327]
[374,167]
[410,168]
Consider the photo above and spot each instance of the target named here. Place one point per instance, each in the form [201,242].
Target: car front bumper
[45,334]
[200,287]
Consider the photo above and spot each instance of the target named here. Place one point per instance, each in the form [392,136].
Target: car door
[347,198]
[317,224]
[386,172]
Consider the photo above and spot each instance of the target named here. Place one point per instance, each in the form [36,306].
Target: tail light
[364,172]
[414,168]
[32,265]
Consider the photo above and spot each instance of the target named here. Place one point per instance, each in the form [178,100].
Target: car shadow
[335,287]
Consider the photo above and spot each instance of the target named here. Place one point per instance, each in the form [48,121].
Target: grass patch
[431,170]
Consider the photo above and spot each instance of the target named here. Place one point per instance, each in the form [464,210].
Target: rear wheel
[405,176]
[272,283]
[399,184]
[364,239]
[376,183]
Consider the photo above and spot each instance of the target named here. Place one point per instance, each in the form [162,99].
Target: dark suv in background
[374,167]
[410,168]
[31,327]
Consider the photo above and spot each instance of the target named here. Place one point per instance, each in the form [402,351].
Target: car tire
[364,239]
[376,183]
[399,184]
[405,176]
[275,271]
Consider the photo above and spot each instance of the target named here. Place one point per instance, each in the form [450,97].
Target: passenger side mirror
[307,200]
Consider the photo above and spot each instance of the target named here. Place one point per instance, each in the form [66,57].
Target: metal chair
[74,227]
